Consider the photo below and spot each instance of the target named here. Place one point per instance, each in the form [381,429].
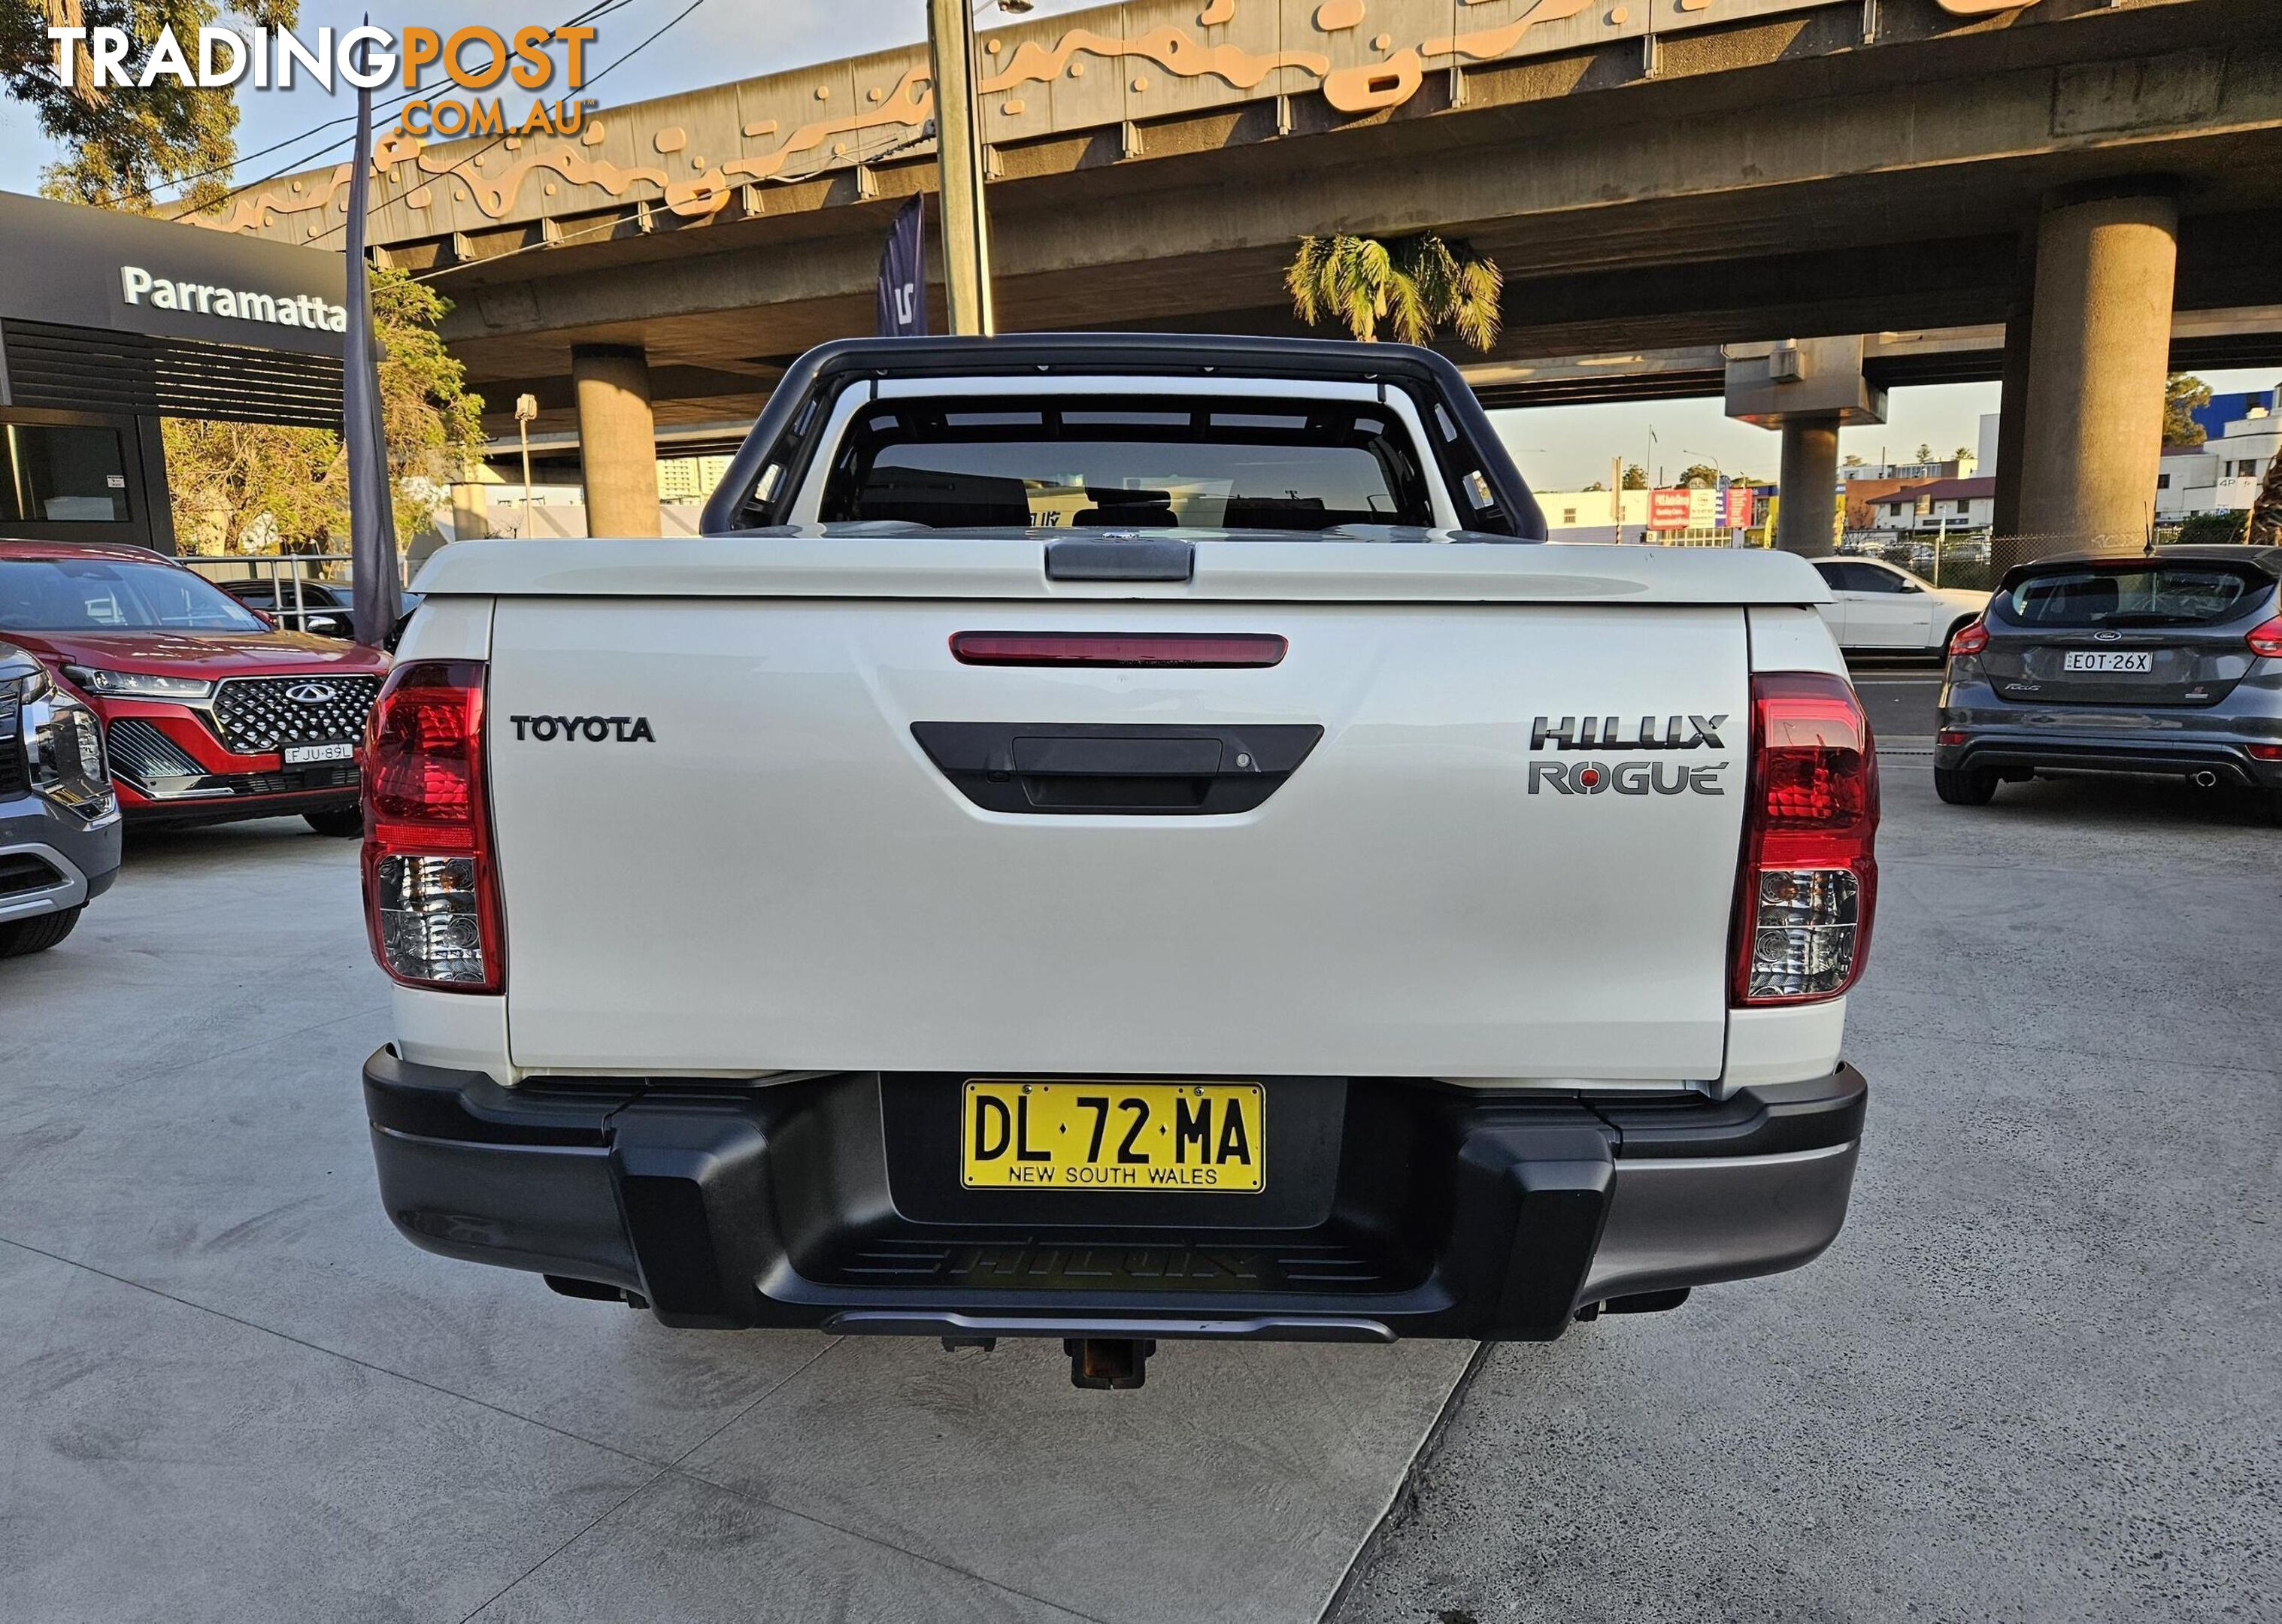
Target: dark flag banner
[903,276]
[375,603]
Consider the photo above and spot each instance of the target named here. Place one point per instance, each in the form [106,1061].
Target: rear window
[2152,594]
[102,595]
[1128,464]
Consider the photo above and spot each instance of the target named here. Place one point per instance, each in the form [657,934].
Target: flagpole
[375,599]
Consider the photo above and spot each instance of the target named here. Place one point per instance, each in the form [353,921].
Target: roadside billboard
[1684,509]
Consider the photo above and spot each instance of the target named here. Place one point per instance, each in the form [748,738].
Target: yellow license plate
[1064,1135]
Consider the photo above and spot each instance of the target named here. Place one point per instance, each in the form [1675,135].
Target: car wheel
[1960,788]
[36,935]
[339,822]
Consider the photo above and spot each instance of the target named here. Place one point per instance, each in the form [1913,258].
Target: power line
[595,78]
[902,144]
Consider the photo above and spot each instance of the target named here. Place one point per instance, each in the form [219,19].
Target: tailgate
[782,877]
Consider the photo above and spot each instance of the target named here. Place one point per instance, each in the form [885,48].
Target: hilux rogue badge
[312,694]
[1610,734]
[1605,733]
[592,729]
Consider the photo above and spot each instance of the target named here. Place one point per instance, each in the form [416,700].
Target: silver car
[59,824]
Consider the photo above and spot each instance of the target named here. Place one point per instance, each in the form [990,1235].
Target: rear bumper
[1404,1209]
[2021,752]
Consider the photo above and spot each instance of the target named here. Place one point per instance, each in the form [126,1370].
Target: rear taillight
[1971,638]
[430,890]
[2266,639]
[1810,873]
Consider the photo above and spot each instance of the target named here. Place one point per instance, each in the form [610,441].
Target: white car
[1876,607]
[1114,837]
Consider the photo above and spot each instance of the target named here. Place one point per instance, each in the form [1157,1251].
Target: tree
[123,147]
[1849,461]
[1964,452]
[2182,396]
[1415,285]
[236,483]
[1635,476]
[1700,474]
[2266,510]
[1596,486]
[1925,452]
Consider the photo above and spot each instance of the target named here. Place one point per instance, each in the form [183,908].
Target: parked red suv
[212,713]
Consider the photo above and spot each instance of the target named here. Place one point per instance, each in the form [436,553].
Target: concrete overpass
[1652,175]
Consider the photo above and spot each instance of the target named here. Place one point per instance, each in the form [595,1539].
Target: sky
[1557,448]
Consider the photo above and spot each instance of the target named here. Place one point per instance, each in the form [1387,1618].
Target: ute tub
[1404,1208]
[857,562]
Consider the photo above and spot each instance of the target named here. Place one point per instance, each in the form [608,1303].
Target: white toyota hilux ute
[1117,838]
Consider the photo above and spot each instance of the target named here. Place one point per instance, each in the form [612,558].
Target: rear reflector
[431,888]
[1808,880]
[1128,649]
[2265,752]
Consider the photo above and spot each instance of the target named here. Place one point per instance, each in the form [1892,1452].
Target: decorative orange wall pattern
[405,166]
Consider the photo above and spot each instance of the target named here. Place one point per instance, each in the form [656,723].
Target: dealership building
[110,323]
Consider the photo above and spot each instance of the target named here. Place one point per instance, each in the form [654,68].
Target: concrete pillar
[1809,519]
[2093,437]
[617,439]
[2013,404]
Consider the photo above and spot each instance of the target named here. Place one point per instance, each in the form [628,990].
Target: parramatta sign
[136,285]
[1114,67]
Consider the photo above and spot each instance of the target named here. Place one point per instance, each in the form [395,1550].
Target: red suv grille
[254,716]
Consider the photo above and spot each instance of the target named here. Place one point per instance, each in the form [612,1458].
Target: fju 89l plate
[1075,1134]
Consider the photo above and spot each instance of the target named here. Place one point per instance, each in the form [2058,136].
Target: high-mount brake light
[1809,881]
[430,887]
[1971,638]
[2266,638]
[1222,649]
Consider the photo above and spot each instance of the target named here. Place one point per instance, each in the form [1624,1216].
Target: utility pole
[526,408]
[958,151]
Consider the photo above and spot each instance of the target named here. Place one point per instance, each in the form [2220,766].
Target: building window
[1568,516]
[58,475]
[2162,482]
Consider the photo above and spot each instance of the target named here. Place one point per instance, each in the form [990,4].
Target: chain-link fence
[1947,558]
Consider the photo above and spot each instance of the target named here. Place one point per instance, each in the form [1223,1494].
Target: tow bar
[1107,1364]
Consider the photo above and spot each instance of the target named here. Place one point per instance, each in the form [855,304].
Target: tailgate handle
[1070,767]
[1114,756]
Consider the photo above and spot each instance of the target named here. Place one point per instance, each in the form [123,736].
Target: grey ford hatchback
[2169,663]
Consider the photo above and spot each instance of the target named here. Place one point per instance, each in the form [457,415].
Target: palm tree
[1415,285]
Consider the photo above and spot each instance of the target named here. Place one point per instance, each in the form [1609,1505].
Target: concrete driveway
[2036,1379]
[2040,1376]
[229,1392]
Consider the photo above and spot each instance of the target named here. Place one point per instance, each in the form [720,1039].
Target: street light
[959,154]
[526,408]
